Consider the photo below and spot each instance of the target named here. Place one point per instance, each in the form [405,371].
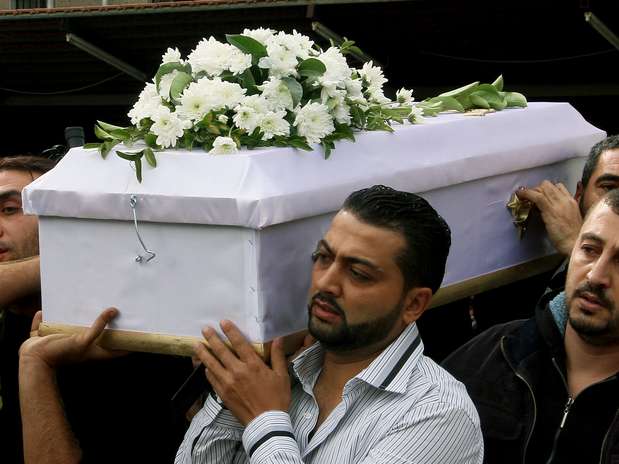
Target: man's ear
[416,302]
[579,191]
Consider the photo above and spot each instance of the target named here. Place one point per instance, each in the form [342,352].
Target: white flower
[276,94]
[337,67]
[214,57]
[273,123]
[416,115]
[168,127]
[372,75]
[375,95]
[165,83]
[341,112]
[148,103]
[223,146]
[404,96]
[246,118]
[354,87]
[313,122]
[226,94]
[222,118]
[195,102]
[300,45]
[280,62]
[260,34]
[257,102]
[172,55]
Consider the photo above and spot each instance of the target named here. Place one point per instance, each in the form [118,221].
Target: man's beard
[591,330]
[345,337]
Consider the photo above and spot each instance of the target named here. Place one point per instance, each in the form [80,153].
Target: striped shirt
[403,408]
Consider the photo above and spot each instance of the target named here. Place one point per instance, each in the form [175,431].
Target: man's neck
[588,363]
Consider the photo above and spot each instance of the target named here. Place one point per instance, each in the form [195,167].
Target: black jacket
[515,375]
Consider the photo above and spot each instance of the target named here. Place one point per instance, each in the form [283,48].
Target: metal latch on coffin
[133,201]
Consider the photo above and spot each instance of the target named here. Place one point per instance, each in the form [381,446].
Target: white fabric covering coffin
[233,234]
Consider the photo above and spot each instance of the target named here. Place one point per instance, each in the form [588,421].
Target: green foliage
[248,45]
[473,96]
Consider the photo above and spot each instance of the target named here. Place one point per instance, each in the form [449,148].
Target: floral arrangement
[265,88]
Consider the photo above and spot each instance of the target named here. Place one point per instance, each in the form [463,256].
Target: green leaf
[130,156]
[107,146]
[464,90]
[101,134]
[515,99]
[498,83]
[248,82]
[88,146]
[109,127]
[179,84]
[311,67]
[121,134]
[248,45]
[150,157]
[168,68]
[448,103]
[479,102]
[295,89]
[151,140]
[138,169]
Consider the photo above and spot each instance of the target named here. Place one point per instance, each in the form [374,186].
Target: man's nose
[599,274]
[330,280]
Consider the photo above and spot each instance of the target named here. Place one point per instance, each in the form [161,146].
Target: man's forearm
[19,279]
[47,435]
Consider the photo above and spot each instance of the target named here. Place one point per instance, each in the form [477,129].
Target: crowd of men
[360,390]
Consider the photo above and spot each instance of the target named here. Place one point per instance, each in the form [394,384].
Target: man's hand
[58,349]
[560,213]
[247,386]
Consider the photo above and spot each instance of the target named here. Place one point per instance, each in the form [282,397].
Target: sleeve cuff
[269,432]
[215,411]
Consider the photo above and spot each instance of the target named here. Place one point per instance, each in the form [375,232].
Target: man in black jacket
[546,388]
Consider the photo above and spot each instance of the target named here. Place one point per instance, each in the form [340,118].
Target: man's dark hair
[609,143]
[427,235]
[26,163]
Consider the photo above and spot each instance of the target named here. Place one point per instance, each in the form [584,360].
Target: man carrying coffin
[19,289]
[114,410]
[364,392]
[546,388]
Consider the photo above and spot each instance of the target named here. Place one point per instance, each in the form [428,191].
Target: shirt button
[307,415]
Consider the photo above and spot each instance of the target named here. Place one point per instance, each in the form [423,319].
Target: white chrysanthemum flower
[313,122]
[222,118]
[273,123]
[172,55]
[165,83]
[195,102]
[168,127]
[148,103]
[354,87]
[300,45]
[404,96]
[341,112]
[246,118]
[276,94]
[375,95]
[214,57]
[372,75]
[261,35]
[416,115]
[257,102]
[280,62]
[225,94]
[337,67]
[224,146]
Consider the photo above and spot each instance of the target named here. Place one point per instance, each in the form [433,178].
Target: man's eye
[359,276]
[588,250]
[8,210]
[608,187]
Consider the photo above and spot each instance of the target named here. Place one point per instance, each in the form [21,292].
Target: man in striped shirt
[364,392]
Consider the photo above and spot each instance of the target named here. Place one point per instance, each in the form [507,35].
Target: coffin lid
[259,188]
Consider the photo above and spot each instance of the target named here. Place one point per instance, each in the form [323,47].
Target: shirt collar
[390,370]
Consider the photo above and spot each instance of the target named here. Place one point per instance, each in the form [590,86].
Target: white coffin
[233,234]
